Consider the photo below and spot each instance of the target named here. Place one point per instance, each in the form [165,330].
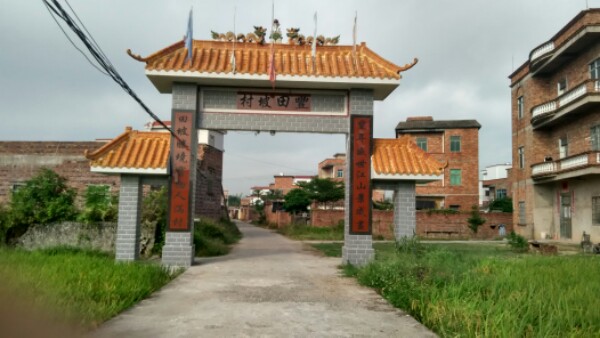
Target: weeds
[517,242]
[86,287]
[214,238]
[307,232]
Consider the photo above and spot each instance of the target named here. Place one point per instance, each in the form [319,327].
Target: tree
[234,200]
[502,204]
[323,190]
[475,221]
[297,200]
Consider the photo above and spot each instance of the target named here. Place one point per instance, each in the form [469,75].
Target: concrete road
[267,287]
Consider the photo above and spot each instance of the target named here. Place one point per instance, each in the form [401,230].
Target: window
[521,157]
[562,86]
[454,206]
[340,173]
[17,186]
[454,143]
[563,147]
[455,176]
[595,137]
[500,193]
[595,69]
[522,213]
[596,210]
[422,143]
[520,106]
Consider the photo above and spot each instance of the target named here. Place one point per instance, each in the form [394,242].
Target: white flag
[189,38]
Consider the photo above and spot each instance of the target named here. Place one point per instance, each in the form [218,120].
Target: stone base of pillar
[178,249]
[358,250]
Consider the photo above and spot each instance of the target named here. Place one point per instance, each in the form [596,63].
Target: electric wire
[103,61]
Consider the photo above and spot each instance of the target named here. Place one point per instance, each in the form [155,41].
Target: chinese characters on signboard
[179,209]
[360,174]
[273,101]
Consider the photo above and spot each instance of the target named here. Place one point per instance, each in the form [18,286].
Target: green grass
[215,238]
[307,232]
[469,290]
[85,287]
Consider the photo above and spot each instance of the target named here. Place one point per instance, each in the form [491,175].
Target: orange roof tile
[403,157]
[133,150]
[252,58]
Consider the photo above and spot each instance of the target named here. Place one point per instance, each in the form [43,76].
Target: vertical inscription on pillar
[361,141]
[180,187]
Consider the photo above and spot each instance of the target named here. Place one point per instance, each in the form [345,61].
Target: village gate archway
[331,92]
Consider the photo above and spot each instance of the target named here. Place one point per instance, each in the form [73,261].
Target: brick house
[335,169]
[455,142]
[495,183]
[556,134]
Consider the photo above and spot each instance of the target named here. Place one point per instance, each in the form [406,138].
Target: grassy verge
[480,290]
[307,232]
[84,287]
[215,238]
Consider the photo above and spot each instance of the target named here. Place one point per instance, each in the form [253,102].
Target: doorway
[565,216]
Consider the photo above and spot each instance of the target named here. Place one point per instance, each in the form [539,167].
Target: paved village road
[267,287]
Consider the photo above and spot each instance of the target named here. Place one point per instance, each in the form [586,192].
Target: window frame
[501,193]
[521,157]
[339,173]
[453,173]
[596,210]
[422,143]
[453,144]
[522,213]
[521,107]
[562,86]
[595,130]
[594,69]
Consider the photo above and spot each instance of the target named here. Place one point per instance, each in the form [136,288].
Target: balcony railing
[542,50]
[589,86]
[568,163]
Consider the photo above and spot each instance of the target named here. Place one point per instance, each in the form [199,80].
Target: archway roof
[133,152]
[401,158]
[334,67]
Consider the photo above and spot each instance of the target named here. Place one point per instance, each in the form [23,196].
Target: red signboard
[180,187]
[273,101]
[361,131]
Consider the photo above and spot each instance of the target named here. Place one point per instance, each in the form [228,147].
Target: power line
[56,10]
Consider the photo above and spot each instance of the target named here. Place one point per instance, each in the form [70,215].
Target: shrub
[4,219]
[517,242]
[475,221]
[44,199]
[154,214]
[409,245]
[100,205]
[502,204]
[213,238]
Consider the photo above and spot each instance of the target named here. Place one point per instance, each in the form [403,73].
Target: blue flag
[189,38]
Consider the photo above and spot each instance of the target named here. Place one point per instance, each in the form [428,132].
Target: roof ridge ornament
[259,36]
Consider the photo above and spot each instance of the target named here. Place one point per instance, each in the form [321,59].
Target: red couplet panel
[180,187]
[361,141]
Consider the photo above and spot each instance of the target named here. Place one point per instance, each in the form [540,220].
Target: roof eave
[405,177]
[163,81]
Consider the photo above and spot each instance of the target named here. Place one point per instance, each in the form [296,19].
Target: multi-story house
[495,183]
[333,167]
[556,134]
[455,142]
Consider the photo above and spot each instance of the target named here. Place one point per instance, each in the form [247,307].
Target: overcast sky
[466,48]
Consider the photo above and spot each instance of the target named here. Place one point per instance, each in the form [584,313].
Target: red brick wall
[19,161]
[429,225]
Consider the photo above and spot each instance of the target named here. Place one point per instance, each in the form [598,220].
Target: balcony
[565,105]
[573,166]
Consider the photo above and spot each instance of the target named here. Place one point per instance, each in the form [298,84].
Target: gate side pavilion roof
[402,159]
[334,68]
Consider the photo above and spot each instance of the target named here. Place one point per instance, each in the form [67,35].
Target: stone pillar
[404,209]
[128,228]
[179,240]
[357,249]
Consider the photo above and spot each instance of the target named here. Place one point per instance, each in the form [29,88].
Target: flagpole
[234,41]
[189,39]
[354,31]
[314,45]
